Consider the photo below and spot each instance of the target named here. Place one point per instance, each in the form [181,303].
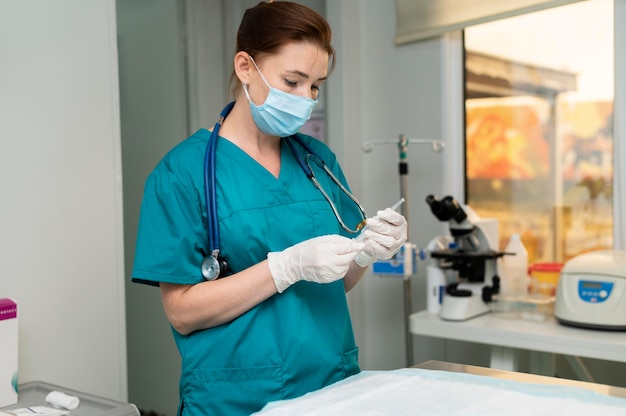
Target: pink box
[8,352]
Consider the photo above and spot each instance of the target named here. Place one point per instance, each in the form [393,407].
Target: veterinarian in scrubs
[274,322]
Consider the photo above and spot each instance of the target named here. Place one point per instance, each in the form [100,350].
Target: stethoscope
[213,265]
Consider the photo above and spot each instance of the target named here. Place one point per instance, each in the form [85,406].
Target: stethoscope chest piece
[213,267]
[210,268]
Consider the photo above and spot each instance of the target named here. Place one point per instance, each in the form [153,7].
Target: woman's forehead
[304,57]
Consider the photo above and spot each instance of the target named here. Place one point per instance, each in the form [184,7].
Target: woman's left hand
[383,237]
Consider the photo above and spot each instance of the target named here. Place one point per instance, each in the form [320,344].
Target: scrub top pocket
[238,388]
[350,363]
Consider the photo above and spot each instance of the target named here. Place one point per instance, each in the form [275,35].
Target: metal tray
[34,394]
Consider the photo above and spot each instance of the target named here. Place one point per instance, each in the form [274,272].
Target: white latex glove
[384,236]
[320,259]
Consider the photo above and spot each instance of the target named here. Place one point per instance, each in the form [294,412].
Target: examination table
[440,388]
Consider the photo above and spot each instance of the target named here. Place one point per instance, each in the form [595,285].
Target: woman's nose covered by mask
[282,114]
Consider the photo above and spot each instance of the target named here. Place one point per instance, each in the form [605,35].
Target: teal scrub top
[292,343]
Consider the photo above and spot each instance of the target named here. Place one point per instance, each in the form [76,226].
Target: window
[539,136]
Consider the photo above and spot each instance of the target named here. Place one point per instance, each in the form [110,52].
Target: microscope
[471,255]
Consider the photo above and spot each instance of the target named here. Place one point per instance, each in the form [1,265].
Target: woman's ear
[242,67]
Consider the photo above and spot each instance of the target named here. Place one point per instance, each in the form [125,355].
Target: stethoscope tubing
[210,186]
[306,167]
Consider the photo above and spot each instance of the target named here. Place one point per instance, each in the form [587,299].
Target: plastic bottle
[515,274]
[435,289]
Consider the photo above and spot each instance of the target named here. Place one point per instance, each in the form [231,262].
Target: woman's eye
[291,83]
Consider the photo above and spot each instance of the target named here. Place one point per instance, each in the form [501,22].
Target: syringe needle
[397,204]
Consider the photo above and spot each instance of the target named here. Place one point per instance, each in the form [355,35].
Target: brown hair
[266,27]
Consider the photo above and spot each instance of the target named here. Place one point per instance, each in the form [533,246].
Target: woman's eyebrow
[306,76]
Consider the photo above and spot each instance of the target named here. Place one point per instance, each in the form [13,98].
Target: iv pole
[403,170]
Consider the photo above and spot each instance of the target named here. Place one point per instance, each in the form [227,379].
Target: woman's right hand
[210,303]
[321,259]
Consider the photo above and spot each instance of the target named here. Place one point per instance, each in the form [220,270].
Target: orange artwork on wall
[587,140]
[506,141]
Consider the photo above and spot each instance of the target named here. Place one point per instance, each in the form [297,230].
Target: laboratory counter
[507,336]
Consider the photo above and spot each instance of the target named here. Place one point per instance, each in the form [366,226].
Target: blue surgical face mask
[281,114]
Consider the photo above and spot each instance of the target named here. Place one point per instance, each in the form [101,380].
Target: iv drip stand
[403,170]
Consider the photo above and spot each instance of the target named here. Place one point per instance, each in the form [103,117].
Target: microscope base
[456,308]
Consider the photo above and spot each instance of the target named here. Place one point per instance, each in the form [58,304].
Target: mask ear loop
[245,86]
[259,71]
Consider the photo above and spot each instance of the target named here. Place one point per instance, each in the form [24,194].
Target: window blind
[421,19]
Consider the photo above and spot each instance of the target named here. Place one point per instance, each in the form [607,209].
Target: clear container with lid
[544,278]
[505,306]
[536,307]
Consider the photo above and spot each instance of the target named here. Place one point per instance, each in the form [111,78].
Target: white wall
[61,246]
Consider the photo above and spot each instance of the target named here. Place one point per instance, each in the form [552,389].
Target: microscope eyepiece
[446,208]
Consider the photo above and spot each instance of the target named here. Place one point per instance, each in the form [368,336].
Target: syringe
[394,207]
[397,204]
